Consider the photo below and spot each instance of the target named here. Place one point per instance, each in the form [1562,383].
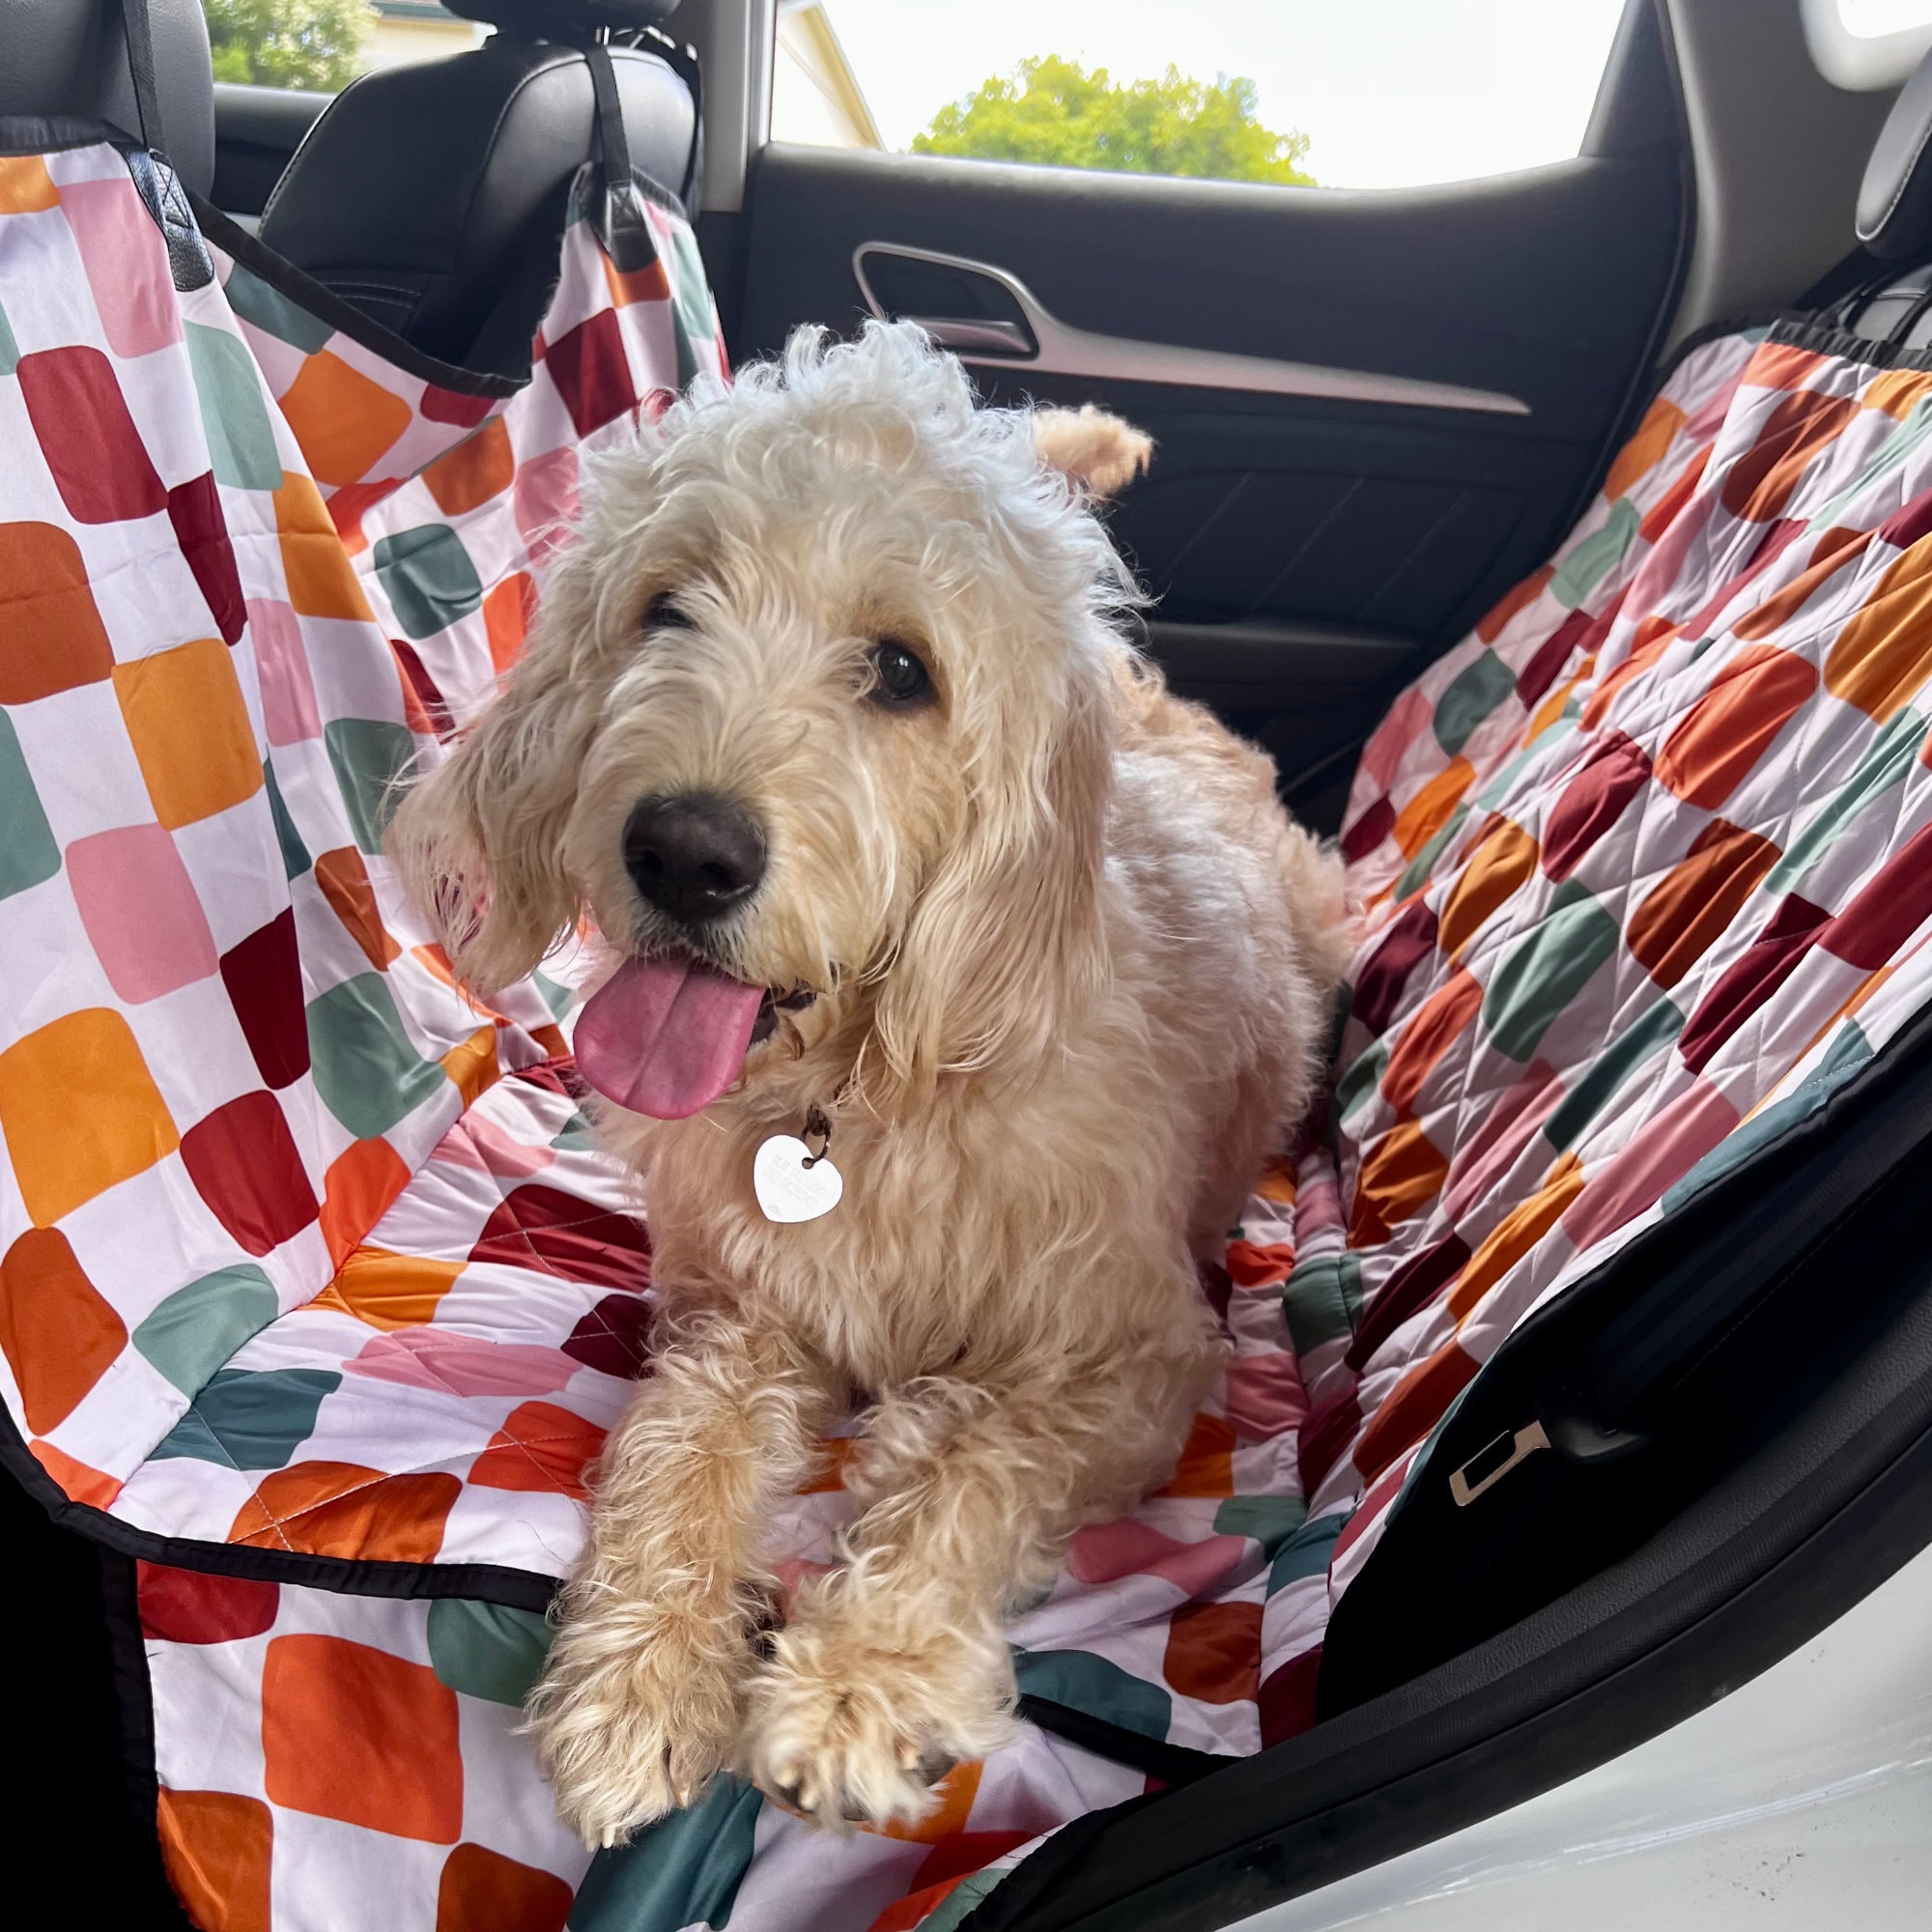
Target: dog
[906,863]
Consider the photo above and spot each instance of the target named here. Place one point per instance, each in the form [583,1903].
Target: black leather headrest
[1895,199]
[69,58]
[432,197]
[572,20]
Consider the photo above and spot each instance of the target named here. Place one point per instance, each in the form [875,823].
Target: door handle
[1058,347]
[977,337]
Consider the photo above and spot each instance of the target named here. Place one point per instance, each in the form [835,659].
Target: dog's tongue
[666,1036]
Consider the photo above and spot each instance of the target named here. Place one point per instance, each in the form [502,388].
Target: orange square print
[481,1891]
[80,1111]
[352,1733]
[217,1846]
[189,725]
[473,471]
[343,421]
[320,579]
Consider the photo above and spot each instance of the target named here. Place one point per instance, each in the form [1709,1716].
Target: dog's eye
[661,614]
[899,677]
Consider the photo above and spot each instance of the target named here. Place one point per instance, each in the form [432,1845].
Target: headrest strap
[622,224]
[141,62]
[152,174]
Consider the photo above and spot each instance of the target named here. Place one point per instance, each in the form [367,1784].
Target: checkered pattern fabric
[1649,866]
[306,1261]
[225,1043]
[331,1761]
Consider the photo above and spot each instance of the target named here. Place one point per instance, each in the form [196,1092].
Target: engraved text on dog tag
[792,1186]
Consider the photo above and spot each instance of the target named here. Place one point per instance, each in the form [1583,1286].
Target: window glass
[324,44]
[1871,18]
[1339,92]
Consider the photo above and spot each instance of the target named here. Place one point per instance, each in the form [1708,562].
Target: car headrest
[1894,217]
[69,58]
[489,143]
[564,19]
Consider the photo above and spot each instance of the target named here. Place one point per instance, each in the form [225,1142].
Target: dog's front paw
[637,1710]
[857,1728]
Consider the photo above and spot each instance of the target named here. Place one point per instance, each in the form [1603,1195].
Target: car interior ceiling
[1623,1593]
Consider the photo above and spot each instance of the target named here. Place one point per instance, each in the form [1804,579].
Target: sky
[1872,17]
[1392,93]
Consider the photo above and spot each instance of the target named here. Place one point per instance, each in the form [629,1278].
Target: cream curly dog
[829,726]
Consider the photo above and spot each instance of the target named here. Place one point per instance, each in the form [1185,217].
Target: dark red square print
[592,372]
[247,1166]
[87,439]
[263,976]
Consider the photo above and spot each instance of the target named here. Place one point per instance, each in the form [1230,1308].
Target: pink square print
[126,265]
[289,709]
[140,910]
[543,500]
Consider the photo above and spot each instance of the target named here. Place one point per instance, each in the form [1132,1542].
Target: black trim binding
[23,135]
[345,1575]
[135,1704]
[1800,331]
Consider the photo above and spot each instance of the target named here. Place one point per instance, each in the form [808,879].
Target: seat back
[434,198]
[67,59]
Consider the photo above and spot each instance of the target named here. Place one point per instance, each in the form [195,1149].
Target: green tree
[288,43]
[1054,110]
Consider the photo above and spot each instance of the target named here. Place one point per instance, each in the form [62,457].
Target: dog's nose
[694,855]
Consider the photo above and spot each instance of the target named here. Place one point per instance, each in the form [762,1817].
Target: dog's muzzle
[695,856]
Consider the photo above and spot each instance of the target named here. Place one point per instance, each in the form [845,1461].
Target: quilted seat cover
[315,1297]
[1649,868]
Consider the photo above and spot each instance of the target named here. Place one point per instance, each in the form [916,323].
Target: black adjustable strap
[141,64]
[155,178]
[621,223]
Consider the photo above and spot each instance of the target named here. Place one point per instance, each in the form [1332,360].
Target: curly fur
[1072,963]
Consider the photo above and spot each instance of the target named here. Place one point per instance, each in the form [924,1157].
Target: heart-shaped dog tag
[792,1186]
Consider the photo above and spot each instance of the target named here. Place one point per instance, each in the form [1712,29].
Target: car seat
[69,60]
[433,197]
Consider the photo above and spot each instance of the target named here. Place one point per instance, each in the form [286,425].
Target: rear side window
[323,45]
[1330,93]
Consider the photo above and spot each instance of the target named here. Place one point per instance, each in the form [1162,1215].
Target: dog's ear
[476,841]
[1097,453]
[1007,936]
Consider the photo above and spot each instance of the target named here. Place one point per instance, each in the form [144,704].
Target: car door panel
[1433,378]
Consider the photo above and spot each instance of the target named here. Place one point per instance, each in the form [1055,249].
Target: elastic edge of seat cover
[1172,1764]
[346,1576]
[326,305]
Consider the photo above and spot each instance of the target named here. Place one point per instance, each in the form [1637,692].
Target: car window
[324,44]
[1369,93]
